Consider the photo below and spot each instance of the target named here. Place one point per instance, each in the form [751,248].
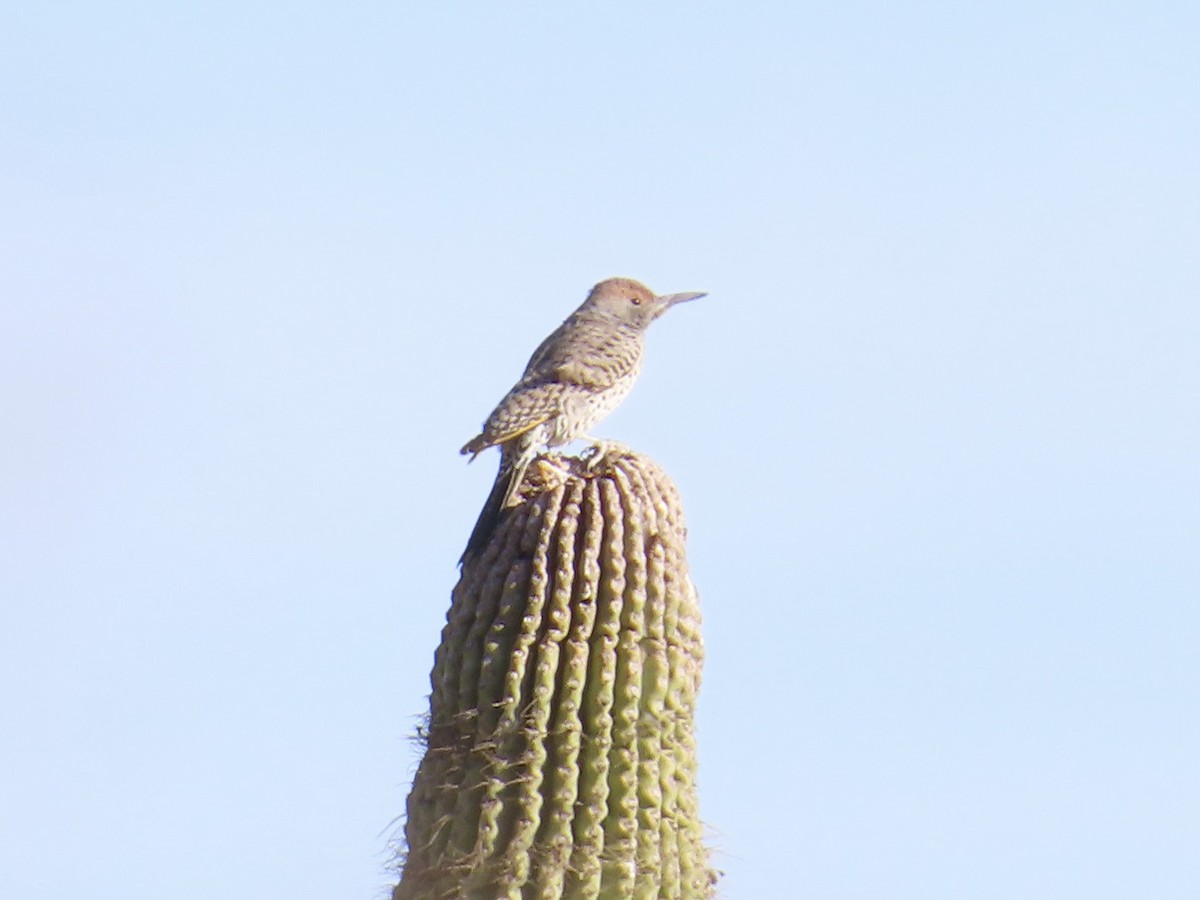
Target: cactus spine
[560,758]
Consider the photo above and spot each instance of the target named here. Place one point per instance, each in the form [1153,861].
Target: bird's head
[631,301]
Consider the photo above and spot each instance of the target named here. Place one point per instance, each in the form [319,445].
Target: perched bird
[576,377]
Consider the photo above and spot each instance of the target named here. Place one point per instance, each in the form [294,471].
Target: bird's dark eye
[636,301]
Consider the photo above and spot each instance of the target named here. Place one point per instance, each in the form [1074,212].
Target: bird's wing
[580,353]
[524,408]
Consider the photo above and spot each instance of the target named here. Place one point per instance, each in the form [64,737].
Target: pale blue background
[265,267]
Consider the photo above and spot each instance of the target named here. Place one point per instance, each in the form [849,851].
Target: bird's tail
[504,491]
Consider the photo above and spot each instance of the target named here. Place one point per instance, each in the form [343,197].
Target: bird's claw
[598,451]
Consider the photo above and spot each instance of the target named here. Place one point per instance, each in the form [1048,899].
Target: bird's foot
[598,451]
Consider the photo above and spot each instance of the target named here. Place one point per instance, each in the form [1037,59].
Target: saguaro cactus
[560,758]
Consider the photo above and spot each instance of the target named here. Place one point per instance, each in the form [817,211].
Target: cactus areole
[560,757]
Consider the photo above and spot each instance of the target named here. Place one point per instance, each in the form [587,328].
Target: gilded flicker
[576,377]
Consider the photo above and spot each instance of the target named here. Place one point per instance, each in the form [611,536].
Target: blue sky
[264,269]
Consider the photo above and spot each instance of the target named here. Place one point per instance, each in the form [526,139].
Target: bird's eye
[636,301]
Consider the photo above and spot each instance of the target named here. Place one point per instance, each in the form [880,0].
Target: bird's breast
[586,407]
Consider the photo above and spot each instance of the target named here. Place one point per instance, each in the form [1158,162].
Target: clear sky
[265,267]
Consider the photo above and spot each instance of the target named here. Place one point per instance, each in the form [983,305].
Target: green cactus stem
[560,758]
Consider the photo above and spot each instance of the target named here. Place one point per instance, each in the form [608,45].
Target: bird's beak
[663,302]
[668,300]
